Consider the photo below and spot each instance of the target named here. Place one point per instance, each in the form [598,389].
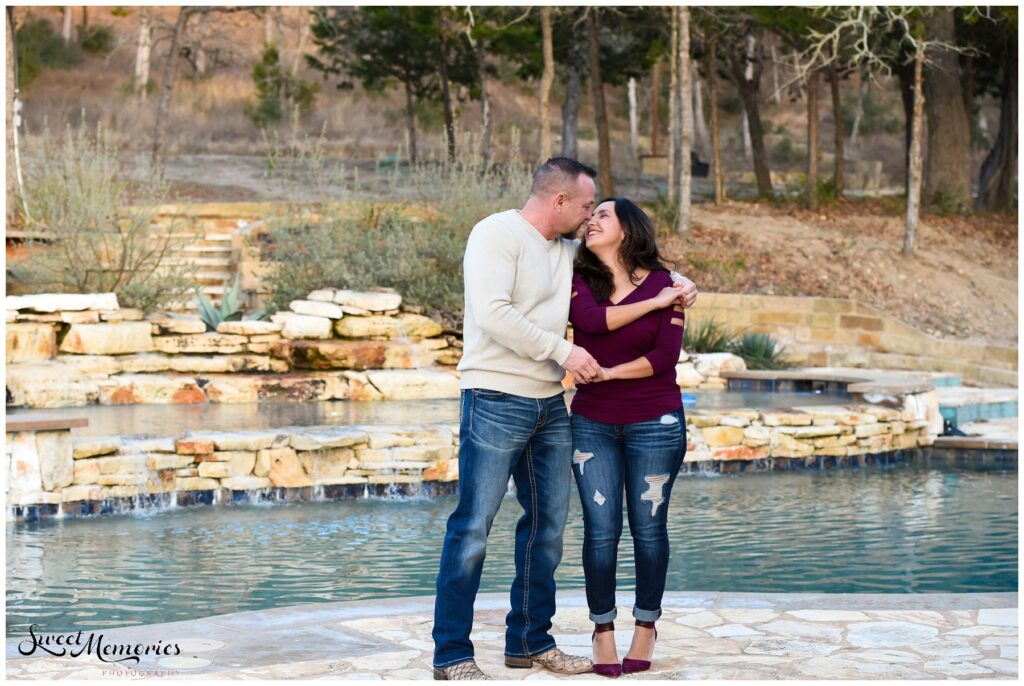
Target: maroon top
[654,336]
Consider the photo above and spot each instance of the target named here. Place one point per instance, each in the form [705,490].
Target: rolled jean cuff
[606,617]
[646,615]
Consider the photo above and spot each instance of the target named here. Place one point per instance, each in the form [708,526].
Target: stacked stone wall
[71,350]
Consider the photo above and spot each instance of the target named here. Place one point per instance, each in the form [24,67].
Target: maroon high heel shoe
[629,665]
[611,670]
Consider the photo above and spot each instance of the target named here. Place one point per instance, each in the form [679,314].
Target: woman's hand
[604,374]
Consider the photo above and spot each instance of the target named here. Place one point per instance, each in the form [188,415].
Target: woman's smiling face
[603,228]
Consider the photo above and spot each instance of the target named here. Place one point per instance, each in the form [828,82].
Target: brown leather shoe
[553,660]
[464,671]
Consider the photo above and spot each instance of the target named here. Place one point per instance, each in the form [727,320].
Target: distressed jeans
[637,462]
[529,439]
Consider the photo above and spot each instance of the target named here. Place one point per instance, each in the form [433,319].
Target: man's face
[578,205]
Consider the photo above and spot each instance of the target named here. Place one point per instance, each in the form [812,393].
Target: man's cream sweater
[517,307]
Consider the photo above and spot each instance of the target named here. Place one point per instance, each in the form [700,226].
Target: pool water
[125,420]
[912,527]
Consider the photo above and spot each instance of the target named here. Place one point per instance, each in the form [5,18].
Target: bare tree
[673,106]
[143,51]
[947,175]
[546,80]
[914,191]
[716,147]
[812,139]
[600,112]
[300,46]
[67,21]
[634,124]
[570,112]
[170,70]
[839,169]
[655,100]
[700,124]
[485,99]
[686,114]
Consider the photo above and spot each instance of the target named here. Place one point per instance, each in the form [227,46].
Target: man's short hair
[559,175]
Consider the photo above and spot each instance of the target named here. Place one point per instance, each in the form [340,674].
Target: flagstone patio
[701,636]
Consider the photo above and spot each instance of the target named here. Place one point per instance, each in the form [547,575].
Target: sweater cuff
[562,351]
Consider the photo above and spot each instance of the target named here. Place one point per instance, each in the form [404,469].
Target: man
[518,273]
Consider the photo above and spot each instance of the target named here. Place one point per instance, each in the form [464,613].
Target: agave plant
[706,336]
[228,310]
[759,351]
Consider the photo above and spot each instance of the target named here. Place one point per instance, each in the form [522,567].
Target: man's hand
[582,365]
[687,288]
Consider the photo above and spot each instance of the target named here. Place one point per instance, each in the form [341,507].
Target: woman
[629,432]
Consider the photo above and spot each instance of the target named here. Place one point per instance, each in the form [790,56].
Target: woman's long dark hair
[638,250]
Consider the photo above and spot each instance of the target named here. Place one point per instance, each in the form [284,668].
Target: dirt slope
[962,283]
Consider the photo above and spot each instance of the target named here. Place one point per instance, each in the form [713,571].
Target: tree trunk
[12,189]
[446,96]
[410,119]
[485,102]
[170,67]
[812,139]
[570,114]
[546,80]
[143,52]
[948,165]
[600,113]
[301,44]
[748,87]
[776,96]
[858,113]
[997,184]
[906,76]
[655,99]
[673,107]
[67,21]
[685,70]
[914,175]
[269,27]
[716,145]
[85,20]
[700,124]
[634,124]
[839,169]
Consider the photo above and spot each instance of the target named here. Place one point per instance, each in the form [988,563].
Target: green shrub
[99,229]
[419,254]
[758,350]
[97,40]
[706,336]
[277,88]
[39,48]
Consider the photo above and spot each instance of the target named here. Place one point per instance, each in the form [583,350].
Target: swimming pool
[911,527]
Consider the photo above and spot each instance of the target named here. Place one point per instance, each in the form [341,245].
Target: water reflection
[107,420]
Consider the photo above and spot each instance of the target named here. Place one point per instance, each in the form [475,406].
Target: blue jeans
[529,439]
[641,459]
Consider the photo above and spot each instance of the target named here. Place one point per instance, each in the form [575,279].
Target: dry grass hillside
[962,283]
